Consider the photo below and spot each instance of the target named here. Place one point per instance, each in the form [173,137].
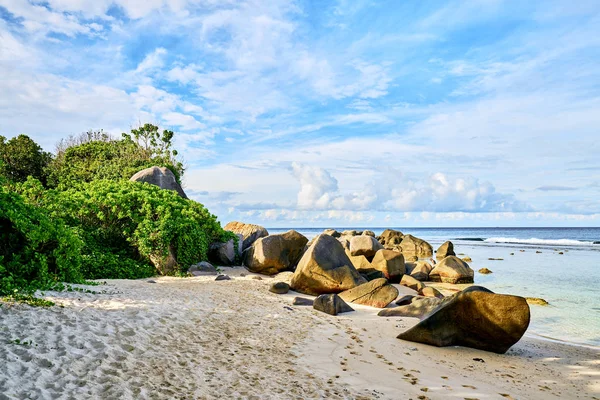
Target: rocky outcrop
[161,177]
[331,304]
[250,233]
[419,270]
[349,233]
[452,270]
[275,253]
[484,271]
[279,288]
[325,268]
[445,250]
[368,233]
[225,253]
[376,293]
[390,238]
[412,283]
[390,263]
[415,247]
[473,318]
[364,246]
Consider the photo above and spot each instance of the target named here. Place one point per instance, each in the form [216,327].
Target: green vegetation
[28,299]
[35,251]
[21,157]
[77,216]
[96,155]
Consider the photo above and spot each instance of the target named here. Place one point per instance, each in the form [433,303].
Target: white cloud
[152,61]
[40,19]
[319,190]
[317,187]
[185,121]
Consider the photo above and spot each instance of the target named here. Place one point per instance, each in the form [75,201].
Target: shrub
[35,252]
[124,225]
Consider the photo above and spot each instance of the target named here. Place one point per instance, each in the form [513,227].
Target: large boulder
[368,233]
[415,247]
[412,283]
[390,263]
[225,253]
[325,268]
[364,246]
[473,318]
[331,304]
[452,270]
[161,177]
[376,293]
[390,238]
[166,264]
[419,270]
[360,262]
[445,250]
[250,232]
[275,253]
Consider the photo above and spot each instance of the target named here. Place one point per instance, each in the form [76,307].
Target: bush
[35,252]
[125,225]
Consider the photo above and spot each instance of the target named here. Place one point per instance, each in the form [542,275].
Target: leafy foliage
[21,157]
[94,223]
[127,225]
[96,155]
[35,251]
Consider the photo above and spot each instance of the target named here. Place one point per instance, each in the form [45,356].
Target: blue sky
[330,113]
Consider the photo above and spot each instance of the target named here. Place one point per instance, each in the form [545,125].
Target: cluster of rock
[358,266]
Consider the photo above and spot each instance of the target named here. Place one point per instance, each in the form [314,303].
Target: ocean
[570,282]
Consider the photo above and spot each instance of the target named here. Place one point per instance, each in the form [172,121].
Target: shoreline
[197,337]
[542,338]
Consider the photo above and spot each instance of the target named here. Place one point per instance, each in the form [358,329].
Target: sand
[198,338]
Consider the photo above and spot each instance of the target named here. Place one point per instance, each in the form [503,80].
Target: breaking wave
[545,242]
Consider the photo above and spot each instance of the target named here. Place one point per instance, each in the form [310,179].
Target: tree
[21,157]
[153,142]
[96,155]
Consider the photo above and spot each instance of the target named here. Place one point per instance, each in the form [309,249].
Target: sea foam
[546,242]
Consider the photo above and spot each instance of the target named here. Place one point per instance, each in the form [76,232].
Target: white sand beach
[199,338]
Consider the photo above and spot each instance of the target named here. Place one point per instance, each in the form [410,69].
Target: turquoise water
[570,282]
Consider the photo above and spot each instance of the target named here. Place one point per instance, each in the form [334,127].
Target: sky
[348,113]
